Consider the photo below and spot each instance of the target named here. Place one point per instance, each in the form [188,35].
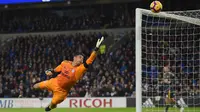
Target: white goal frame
[138,45]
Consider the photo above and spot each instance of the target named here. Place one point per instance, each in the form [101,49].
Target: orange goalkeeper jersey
[69,75]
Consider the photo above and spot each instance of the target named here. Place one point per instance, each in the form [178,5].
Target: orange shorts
[59,94]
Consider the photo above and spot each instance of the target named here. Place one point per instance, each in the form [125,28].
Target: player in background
[169,79]
[70,73]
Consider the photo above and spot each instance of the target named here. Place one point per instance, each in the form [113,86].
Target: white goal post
[167,40]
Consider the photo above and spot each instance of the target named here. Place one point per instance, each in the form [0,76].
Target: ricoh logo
[89,103]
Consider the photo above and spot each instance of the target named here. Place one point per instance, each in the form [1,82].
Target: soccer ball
[156,6]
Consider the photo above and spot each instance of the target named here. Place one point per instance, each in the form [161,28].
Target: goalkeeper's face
[78,59]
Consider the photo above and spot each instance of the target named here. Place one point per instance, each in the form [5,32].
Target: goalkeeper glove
[99,42]
[49,72]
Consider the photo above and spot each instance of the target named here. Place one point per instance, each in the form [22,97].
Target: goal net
[167,61]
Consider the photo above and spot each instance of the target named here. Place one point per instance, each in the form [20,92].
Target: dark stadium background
[168,4]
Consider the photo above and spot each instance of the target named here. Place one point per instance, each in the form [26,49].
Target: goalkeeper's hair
[82,54]
[79,53]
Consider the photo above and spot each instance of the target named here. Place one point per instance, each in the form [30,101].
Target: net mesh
[170,63]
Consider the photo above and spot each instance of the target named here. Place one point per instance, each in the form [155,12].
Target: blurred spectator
[81,17]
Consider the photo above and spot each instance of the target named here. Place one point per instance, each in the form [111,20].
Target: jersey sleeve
[91,58]
[59,67]
[83,67]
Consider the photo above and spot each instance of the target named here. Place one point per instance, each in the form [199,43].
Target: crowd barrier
[95,102]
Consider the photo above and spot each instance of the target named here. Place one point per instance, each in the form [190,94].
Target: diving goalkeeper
[70,73]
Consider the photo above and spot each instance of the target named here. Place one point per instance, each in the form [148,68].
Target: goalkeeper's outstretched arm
[83,67]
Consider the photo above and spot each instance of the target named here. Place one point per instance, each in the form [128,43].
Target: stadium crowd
[56,19]
[24,61]
[178,54]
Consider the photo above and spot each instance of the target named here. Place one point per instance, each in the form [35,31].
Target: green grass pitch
[98,110]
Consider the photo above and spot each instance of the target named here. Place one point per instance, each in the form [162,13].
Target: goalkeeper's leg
[177,105]
[167,107]
[174,101]
[50,107]
[167,104]
[171,96]
[58,97]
